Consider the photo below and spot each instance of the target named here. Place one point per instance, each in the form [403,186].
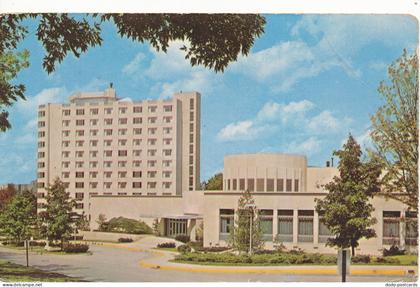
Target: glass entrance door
[176,227]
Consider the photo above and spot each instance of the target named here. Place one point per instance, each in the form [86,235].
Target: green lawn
[14,272]
[405,259]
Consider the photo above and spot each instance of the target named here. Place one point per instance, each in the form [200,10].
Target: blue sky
[308,82]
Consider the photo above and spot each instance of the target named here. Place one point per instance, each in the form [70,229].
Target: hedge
[166,245]
[75,248]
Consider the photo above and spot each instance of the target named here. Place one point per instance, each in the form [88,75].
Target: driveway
[122,264]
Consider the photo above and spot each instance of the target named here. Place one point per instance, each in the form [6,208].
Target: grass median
[12,272]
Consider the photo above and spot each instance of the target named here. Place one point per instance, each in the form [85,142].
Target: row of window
[261,184]
[108,174]
[109,185]
[109,132]
[108,153]
[109,110]
[109,121]
[109,164]
[121,142]
[305,232]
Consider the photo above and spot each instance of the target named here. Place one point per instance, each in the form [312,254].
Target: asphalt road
[107,264]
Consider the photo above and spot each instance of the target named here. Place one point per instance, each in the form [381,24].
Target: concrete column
[295,226]
[402,230]
[275,223]
[316,227]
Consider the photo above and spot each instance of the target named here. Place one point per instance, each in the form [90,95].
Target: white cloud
[275,116]
[244,130]
[378,65]
[50,95]
[133,67]
[364,140]
[308,147]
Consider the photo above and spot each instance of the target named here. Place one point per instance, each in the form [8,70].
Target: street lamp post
[251,215]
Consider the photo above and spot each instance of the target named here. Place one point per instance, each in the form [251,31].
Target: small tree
[6,195]
[101,221]
[346,209]
[395,131]
[82,223]
[19,217]
[240,234]
[214,182]
[58,220]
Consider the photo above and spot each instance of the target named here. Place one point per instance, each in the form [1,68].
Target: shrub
[122,239]
[76,248]
[360,259]
[182,238]
[184,248]
[37,243]
[166,245]
[387,260]
[393,250]
[128,225]
[214,249]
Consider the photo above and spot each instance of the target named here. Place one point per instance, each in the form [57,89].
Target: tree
[6,195]
[82,223]
[19,217]
[101,221]
[58,219]
[211,40]
[240,234]
[395,131]
[346,209]
[215,182]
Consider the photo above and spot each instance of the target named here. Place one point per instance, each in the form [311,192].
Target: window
[108,122]
[136,142]
[151,152]
[137,131]
[136,185]
[228,184]
[80,112]
[137,152]
[122,164]
[411,224]
[226,218]
[191,127]
[167,108]
[79,143]
[167,119]
[191,148]
[288,185]
[93,164]
[80,184]
[152,120]
[191,168]
[107,142]
[151,131]
[122,193]
[266,223]
[151,185]
[191,138]
[41,164]
[280,184]
[66,123]
[191,159]
[94,143]
[285,225]
[65,133]
[66,112]
[80,133]
[122,110]
[107,174]
[137,121]
[122,174]
[191,104]
[79,195]
[41,124]
[41,174]
[80,122]
[166,163]
[166,174]
[41,114]
[151,141]
[296,184]
[191,116]
[136,163]
[93,122]
[152,109]
[391,227]
[94,111]
[242,184]
[41,144]
[137,109]
[167,130]
[251,184]
[93,185]
[65,164]
[122,153]
[42,134]
[108,153]
[108,164]
[167,141]
[65,143]
[79,154]
[79,205]
[151,174]
[167,152]
[108,111]
[260,184]
[122,121]
[234,184]
[270,184]
[136,174]
[107,185]
[191,181]
[93,153]
[305,225]
[151,163]
[94,132]
[93,174]
[166,185]
[79,164]
[80,174]
[64,154]
[323,232]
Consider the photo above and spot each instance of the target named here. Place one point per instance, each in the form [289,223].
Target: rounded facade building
[265,173]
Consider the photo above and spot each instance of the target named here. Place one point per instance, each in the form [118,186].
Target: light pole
[251,207]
